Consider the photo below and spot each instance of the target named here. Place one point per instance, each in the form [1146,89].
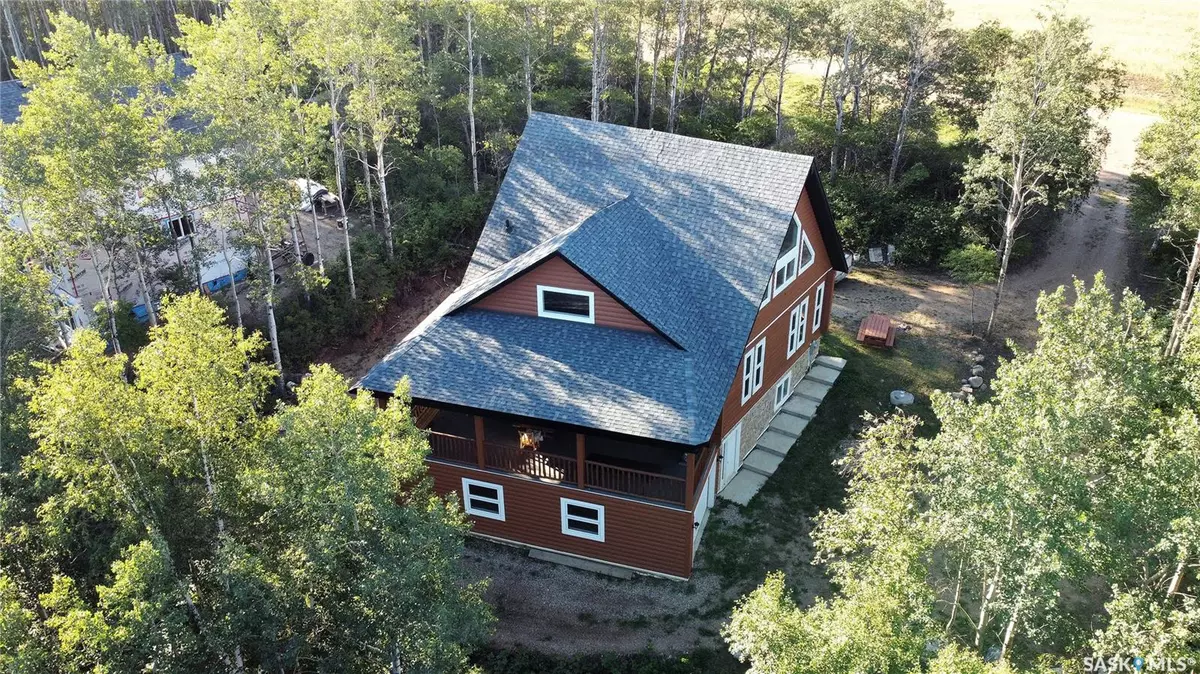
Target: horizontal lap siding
[772,321]
[519,296]
[636,534]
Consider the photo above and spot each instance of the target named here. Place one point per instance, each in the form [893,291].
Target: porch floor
[783,431]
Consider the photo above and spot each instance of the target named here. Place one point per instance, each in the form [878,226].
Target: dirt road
[1096,238]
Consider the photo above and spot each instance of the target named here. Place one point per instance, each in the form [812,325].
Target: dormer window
[566,304]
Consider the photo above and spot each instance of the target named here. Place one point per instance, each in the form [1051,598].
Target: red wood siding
[519,296]
[772,321]
[636,534]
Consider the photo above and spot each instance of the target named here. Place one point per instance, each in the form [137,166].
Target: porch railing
[639,483]
[534,464]
[557,468]
[452,448]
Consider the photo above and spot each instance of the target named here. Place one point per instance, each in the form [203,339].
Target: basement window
[566,305]
[483,499]
[582,520]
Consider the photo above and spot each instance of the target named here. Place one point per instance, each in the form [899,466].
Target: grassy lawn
[742,545]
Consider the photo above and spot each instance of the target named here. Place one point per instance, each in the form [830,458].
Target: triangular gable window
[795,256]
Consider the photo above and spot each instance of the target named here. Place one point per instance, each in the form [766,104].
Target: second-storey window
[483,499]
[796,327]
[818,308]
[566,304]
[582,520]
[787,262]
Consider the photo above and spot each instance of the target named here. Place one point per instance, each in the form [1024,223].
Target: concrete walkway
[783,431]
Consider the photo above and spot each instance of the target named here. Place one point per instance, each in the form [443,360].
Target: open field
[1147,36]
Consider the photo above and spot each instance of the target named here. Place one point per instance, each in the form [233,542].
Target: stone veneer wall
[756,421]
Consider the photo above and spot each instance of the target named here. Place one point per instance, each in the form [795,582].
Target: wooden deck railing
[558,468]
[541,465]
[639,483]
[451,448]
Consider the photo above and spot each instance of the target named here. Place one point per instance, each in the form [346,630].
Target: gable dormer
[554,289]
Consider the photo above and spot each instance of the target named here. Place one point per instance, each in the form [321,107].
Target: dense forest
[167,511]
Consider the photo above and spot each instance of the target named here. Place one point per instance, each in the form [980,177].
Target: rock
[902,398]
[967,389]
[979,358]
[959,396]
[975,381]
[977,370]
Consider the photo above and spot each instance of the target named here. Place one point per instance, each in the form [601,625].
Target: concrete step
[762,462]
[831,361]
[813,390]
[823,374]
[776,442]
[801,407]
[743,487]
[789,425]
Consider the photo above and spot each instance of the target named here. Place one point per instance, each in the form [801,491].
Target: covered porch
[545,452]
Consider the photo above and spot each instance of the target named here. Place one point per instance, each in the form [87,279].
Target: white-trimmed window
[787,263]
[783,389]
[582,520]
[807,256]
[483,499]
[566,304]
[752,369]
[818,308]
[797,323]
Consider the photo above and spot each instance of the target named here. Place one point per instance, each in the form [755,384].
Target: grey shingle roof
[683,231]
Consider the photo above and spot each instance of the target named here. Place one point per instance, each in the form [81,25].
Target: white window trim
[467,483]
[784,382]
[818,309]
[760,357]
[747,376]
[599,521]
[812,254]
[782,261]
[542,313]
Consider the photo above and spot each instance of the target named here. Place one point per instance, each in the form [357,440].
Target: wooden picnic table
[877,330]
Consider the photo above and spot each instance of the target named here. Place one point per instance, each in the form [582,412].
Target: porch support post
[580,459]
[479,441]
[689,488]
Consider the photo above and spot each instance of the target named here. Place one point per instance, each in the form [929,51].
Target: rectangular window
[566,305]
[760,355]
[752,369]
[818,308]
[783,390]
[796,327]
[582,520]
[182,226]
[483,499]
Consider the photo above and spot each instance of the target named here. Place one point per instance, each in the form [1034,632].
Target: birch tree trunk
[296,250]
[272,332]
[143,287]
[747,71]
[339,159]
[237,302]
[14,31]
[1182,320]
[712,65]
[659,31]
[910,94]
[106,291]
[783,63]
[366,167]
[1011,220]
[596,74]
[824,84]
[637,67]
[528,65]
[839,104]
[312,204]
[471,96]
[381,173]
[673,110]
